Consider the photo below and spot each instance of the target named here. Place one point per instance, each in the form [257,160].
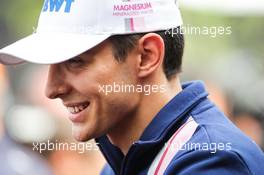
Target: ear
[151,47]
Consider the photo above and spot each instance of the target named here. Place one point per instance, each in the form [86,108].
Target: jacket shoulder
[208,163]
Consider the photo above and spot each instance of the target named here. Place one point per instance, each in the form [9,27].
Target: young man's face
[78,83]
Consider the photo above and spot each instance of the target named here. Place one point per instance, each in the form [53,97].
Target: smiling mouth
[77,108]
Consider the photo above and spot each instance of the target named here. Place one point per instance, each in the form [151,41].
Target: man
[116,69]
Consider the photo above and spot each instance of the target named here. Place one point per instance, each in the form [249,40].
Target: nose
[56,85]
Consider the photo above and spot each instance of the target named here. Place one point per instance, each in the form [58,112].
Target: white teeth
[81,107]
[71,109]
[76,109]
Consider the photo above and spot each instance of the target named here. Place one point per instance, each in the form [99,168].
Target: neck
[130,130]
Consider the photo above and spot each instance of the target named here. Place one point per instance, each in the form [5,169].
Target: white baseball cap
[67,28]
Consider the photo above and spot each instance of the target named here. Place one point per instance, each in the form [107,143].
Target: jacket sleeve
[207,163]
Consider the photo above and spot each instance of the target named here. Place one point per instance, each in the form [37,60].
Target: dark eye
[75,62]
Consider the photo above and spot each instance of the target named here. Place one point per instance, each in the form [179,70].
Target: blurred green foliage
[247,34]
[17,19]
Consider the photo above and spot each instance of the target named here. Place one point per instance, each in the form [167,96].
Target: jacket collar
[163,125]
[191,94]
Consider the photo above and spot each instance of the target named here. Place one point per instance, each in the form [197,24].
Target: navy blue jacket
[222,148]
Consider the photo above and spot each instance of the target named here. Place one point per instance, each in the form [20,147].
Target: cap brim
[49,48]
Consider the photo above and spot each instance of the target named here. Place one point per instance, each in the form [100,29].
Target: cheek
[88,83]
[117,106]
[111,71]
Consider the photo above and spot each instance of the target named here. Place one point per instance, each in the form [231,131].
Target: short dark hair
[174,47]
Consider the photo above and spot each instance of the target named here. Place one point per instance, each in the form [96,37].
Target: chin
[80,134]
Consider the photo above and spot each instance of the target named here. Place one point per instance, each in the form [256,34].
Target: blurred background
[230,62]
